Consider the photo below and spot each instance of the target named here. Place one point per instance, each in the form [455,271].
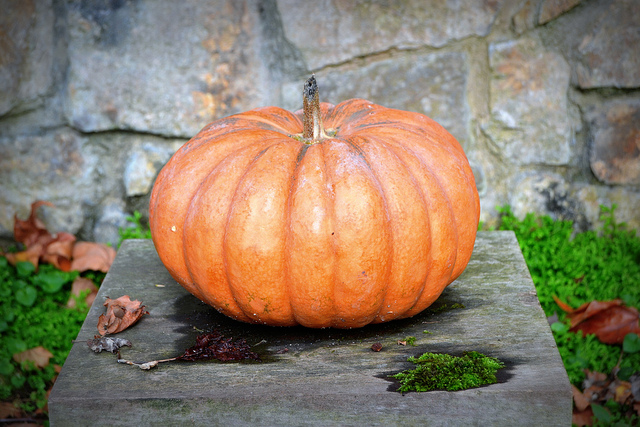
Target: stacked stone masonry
[544,95]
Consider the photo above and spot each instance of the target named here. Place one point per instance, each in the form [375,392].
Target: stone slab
[327,377]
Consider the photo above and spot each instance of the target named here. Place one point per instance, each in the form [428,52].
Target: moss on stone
[446,307]
[446,372]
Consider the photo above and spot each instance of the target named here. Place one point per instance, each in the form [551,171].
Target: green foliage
[445,372]
[33,313]
[580,352]
[579,268]
[137,230]
[410,341]
[631,343]
[582,268]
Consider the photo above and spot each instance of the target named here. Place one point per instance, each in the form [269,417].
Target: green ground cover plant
[578,268]
[137,228]
[34,313]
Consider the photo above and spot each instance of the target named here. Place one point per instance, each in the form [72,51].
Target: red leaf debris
[610,321]
[213,345]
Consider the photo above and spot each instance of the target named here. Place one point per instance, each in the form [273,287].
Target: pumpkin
[333,216]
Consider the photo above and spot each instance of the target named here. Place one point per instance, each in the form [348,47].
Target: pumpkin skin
[365,226]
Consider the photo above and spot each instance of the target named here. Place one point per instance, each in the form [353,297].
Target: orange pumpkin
[333,216]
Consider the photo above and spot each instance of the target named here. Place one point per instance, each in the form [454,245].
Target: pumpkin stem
[313,130]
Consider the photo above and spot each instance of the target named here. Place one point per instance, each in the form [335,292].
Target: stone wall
[95,96]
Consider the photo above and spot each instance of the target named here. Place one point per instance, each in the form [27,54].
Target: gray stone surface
[433,84]
[26,54]
[615,150]
[549,194]
[159,66]
[327,377]
[591,197]
[530,121]
[551,9]
[329,32]
[144,163]
[54,165]
[609,54]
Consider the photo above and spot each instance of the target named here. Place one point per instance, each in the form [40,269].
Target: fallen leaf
[92,256]
[9,410]
[79,285]
[582,418]
[610,321]
[40,244]
[100,344]
[594,378]
[621,391]
[31,230]
[58,252]
[121,313]
[32,255]
[579,399]
[39,356]
[33,234]
[376,347]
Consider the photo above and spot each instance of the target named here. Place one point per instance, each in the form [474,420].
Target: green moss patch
[445,372]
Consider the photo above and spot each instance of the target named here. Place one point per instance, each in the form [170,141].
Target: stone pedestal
[318,377]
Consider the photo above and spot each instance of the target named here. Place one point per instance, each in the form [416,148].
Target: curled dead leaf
[61,249]
[121,313]
[33,234]
[621,391]
[58,252]
[9,410]
[582,418]
[32,255]
[610,321]
[579,399]
[79,285]
[92,256]
[31,230]
[39,356]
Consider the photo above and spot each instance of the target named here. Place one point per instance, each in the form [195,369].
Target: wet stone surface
[318,377]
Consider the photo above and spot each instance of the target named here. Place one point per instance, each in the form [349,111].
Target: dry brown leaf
[92,256]
[40,244]
[610,321]
[82,284]
[32,254]
[59,251]
[121,313]
[580,400]
[9,410]
[31,230]
[621,391]
[38,355]
[582,418]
